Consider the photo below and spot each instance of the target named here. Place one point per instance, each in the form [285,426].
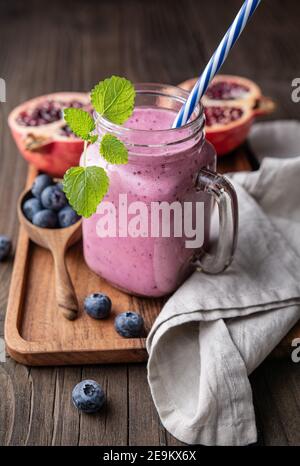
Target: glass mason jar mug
[152,229]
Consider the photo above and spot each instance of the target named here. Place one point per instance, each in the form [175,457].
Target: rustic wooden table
[70,45]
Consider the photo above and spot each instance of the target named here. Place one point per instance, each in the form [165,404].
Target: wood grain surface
[70,45]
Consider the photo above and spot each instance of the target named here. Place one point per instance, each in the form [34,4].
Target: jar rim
[162,91]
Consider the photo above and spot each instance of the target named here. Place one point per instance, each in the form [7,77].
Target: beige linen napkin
[278,139]
[215,330]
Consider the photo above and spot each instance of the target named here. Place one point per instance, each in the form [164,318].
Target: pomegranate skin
[226,140]
[229,136]
[54,153]
[54,158]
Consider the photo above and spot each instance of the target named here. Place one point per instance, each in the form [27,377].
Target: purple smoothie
[149,266]
[151,119]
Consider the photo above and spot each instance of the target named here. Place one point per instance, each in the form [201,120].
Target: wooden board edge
[65,358]
[12,335]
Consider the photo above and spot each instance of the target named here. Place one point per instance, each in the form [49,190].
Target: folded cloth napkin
[276,139]
[215,330]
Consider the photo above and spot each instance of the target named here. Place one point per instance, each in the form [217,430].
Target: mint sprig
[84,186]
[114,98]
[81,123]
[113,150]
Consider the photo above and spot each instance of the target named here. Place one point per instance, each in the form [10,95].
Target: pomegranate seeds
[222,115]
[226,90]
[48,112]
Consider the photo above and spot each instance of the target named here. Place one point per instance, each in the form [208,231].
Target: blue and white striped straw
[216,61]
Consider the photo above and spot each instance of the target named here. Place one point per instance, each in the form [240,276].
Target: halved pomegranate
[230,88]
[231,105]
[228,126]
[41,134]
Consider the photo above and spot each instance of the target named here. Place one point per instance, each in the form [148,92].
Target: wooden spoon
[57,240]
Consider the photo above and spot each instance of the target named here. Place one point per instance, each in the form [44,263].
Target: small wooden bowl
[57,240]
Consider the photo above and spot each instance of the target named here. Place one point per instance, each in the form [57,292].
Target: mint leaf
[92,138]
[85,188]
[113,150]
[113,98]
[81,123]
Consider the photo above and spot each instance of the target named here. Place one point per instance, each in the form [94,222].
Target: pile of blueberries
[88,396]
[48,207]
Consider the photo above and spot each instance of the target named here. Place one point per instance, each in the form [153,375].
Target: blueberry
[45,219]
[31,207]
[40,183]
[5,247]
[129,324]
[88,396]
[53,198]
[60,186]
[67,216]
[97,305]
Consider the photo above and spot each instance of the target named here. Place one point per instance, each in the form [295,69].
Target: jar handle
[225,197]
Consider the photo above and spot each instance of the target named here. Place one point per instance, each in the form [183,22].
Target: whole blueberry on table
[97,305]
[53,198]
[45,219]
[40,183]
[129,324]
[67,217]
[5,247]
[88,396]
[31,207]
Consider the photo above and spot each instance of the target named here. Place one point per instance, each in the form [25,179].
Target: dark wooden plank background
[53,45]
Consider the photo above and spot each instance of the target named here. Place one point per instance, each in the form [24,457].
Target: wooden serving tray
[37,334]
